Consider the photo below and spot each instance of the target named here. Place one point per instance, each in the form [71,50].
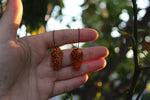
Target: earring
[56,56]
[76,55]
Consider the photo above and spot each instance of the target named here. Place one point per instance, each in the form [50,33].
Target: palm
[25,66]
[29,66]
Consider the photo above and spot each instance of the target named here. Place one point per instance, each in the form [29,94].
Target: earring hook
[54,39]
[78,37]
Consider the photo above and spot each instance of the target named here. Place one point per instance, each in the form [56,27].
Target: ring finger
[86,67]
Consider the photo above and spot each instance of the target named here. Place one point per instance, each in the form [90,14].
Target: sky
[72,9]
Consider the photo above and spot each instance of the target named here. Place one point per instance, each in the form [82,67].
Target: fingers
[88,54]
[62,37]
[11,19]
[68,79]
[86,67]
[70,84]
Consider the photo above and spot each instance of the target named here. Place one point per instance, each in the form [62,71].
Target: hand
[25,69]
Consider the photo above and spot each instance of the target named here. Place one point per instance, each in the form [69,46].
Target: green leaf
[130,48]
[135,43]
[49,50]
[122,32]
[68,26]
[141,30]
[73,19]
[61,3]
[71,97]
[140,51]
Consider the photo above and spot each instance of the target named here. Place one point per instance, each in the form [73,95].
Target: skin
[25,65]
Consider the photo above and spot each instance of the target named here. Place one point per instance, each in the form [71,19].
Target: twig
[143,88]
[1,9]
[135,35]
[144,68]
[136,57]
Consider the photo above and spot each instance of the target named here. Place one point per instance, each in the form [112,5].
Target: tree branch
[144,68]
[1,9]
[143,88]
[136,57]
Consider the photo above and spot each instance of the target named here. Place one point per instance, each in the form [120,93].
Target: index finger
[67,36]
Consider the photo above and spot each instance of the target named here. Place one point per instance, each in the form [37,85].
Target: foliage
[36,11]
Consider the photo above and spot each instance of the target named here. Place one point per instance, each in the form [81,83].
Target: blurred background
[113,19]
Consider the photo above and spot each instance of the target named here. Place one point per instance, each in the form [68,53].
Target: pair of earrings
[57,56]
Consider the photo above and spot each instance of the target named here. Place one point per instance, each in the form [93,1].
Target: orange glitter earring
[76,55]
[56,56]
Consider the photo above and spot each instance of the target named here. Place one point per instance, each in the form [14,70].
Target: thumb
[11,19]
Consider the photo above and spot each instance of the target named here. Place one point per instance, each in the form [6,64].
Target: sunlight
[117,49]
[124,15]
[141,14]
[148,87]
[13,43]
[115,32]
[147,38]
[129,54]
[98,95]
[99,84]
[143,3]
[103,4]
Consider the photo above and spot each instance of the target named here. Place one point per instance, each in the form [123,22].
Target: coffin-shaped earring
[56,56]
[76,55]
